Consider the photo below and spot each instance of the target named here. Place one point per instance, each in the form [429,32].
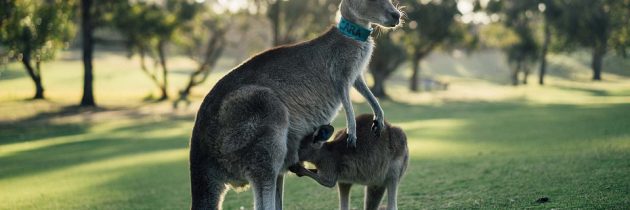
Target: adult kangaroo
[249,127]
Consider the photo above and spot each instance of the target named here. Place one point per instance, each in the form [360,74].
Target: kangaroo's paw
[351,141]
[377,127]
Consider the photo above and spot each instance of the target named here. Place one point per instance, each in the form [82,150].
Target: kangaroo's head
[365,12]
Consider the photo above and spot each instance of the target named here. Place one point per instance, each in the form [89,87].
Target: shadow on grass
[92,148]
[43,125]
[592,92]
[72,120]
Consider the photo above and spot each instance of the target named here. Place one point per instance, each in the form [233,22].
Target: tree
[93,14]
[595,25]
[203,41]
[149,28]
[293,20]
[87,32]
[551,13]
[431,24]
[386,59]
[519,17]
[33,31]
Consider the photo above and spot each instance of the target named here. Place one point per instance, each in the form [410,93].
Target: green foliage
[387,57]
[149,26]
[295,20]
[584,23]
[598,25]
[497,35]
[430,23]
[520,17]
[194,35]
[620,35]
[37,28]
[594,23]
[144,24]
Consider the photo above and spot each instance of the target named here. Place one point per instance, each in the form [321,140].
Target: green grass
[477,146]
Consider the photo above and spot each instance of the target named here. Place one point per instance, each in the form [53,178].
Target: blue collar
[353,30]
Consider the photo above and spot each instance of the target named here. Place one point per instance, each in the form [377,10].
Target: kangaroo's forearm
[361,86]
[347,106]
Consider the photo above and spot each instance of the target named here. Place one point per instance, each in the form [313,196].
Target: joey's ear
[323,133]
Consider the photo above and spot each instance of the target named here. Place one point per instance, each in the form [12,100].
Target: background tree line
[32,31]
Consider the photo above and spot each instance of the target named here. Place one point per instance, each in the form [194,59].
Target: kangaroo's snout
[395,19]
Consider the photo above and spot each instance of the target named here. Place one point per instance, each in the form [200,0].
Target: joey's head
[366,12]
[314,142]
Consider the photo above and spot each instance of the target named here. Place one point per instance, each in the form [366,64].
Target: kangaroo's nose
[395,17]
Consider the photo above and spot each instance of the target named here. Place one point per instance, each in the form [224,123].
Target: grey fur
[248,128]
[377,162]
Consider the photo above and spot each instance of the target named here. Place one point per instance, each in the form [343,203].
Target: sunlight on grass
[423,147]
[428,148]
[10,149]
[431,124]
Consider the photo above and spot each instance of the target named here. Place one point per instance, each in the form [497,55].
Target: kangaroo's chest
[320,101]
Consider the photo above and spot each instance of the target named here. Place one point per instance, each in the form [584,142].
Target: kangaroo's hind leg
[255,131]
[263,172]
[344,195]
[207,193]
[392,194]
[373,197]
[279,193]
[208,181]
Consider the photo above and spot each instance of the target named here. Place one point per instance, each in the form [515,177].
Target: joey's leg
[344,195]
[350,121]
[373,197]
[379,116]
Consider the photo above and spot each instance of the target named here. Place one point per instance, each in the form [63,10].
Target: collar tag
[353,30]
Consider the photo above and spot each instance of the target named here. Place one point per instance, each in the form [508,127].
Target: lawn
[479,145]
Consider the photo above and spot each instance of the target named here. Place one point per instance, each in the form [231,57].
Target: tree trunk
[88,49]
[379,85]
[275,22]
[598,56]
[515,72]
[39,88]
[525,74]
[164,87]
[34,74]
[415,61]
[153,76]
[543,56]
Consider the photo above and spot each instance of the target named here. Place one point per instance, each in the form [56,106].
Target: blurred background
[504,102]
